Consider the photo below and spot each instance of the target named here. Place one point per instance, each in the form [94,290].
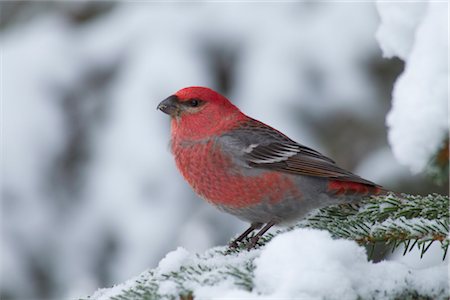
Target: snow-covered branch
[394,219]
[305,262]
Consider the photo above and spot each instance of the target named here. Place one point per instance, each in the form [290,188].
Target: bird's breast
[214,176]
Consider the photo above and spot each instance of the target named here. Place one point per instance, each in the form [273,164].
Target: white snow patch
[300,264]
[418,120]
[413,259]
[173,260]
[167,287]
[398,26]
[311,265]
[108,293]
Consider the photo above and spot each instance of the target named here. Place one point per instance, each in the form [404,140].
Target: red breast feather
[214,177]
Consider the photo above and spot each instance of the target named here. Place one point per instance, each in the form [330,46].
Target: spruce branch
[412,221]
[392,219]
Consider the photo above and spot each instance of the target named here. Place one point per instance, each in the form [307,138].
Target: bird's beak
[169,105]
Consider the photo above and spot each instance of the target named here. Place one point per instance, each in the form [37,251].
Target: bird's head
[197,112]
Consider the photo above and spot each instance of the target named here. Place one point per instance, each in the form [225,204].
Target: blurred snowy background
[90,193]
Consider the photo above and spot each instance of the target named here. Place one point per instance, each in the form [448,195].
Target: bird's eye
[194,103]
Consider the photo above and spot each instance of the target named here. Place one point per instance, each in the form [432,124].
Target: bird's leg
[253,226]
[254,240]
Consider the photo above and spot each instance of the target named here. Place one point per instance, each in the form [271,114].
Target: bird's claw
[233,244]
[252,243]
[249,244]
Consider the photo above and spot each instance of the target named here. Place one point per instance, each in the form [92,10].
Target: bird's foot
[233,247]
[253,242]
[233,244]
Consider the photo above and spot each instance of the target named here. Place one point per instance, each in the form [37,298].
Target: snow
[173,260]
[433,257]
[105,294]
[302,263]
[418,120]
[294,265]
[399,22]
[310,264]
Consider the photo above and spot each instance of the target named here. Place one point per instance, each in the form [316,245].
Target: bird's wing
[260,146]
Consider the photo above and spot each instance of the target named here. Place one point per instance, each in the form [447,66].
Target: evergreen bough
[393,219]
[412,221]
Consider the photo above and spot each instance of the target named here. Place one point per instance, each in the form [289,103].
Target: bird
[249,169]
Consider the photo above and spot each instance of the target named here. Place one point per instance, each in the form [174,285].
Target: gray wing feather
[259,146]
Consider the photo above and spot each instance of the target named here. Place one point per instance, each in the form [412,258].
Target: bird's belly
[292,207]
[216,178]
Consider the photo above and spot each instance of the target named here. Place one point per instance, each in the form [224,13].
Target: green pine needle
[395,220]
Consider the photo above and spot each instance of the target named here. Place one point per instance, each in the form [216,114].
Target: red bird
[249,169]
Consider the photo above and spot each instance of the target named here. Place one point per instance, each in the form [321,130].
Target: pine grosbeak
[249,169]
